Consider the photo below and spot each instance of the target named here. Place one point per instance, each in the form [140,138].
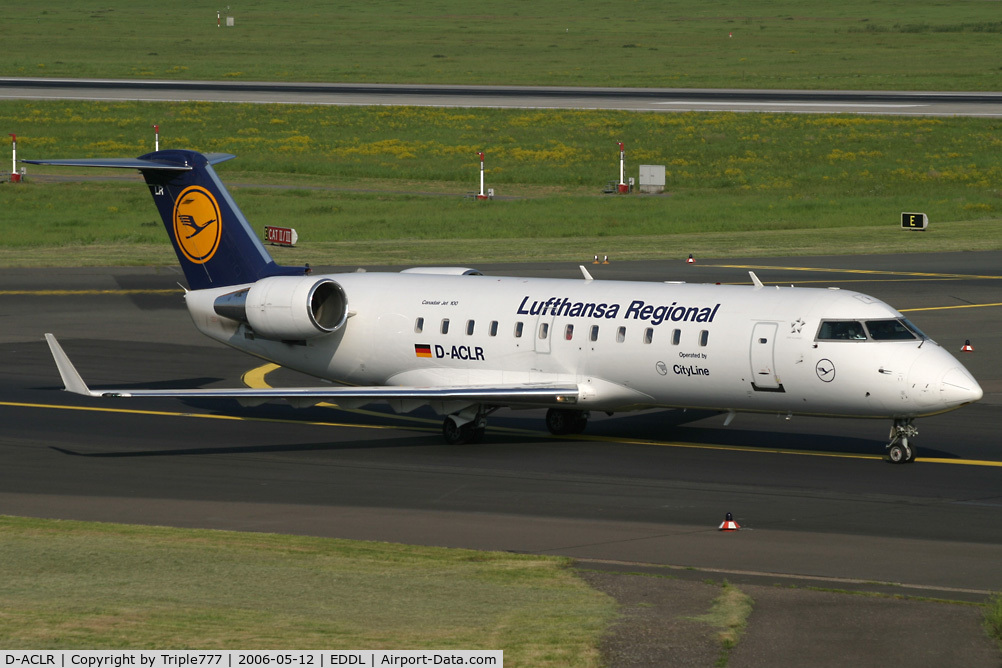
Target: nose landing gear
[898,450]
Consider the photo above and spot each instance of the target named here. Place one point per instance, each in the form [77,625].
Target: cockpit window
[841,330]
[889,330]
[918,332]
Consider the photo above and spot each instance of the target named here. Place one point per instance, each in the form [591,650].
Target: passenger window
[841,330]
[621,335]
[470,324]
[494,328]
[544,330]
[676,337]
[445,325]
[569,332]
[419,325]
[518,330]
[648,335]
[594,332]
[704,337]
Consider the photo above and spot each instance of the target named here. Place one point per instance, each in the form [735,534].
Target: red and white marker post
[481,195]
[14,176]
[623,188]
[156,137]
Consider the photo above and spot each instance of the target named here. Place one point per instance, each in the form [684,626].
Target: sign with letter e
[914,221]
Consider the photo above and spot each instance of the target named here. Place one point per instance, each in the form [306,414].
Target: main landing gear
[468,426]
[562,421]
[898,450]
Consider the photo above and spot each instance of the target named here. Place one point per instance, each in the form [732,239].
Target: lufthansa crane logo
[197,224]
[825,370]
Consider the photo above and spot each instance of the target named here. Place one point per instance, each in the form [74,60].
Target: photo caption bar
[402,658]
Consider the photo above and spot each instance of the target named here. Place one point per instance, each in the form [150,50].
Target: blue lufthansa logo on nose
[825,370]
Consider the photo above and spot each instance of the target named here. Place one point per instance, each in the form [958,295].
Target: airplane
[467,344]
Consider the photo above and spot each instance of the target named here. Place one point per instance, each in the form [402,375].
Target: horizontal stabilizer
[132,163]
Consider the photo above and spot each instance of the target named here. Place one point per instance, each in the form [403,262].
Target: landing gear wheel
[562,421]
[458,435]
[459,429]
[898,450]
[900,453]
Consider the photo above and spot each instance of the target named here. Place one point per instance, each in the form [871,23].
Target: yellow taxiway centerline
[868,272]
[579,437]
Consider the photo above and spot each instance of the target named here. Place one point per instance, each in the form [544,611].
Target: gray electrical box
[652,178]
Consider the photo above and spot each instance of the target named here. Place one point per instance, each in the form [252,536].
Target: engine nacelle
[287,308]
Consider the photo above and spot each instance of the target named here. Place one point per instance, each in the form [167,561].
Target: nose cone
[958,387]
[938,382]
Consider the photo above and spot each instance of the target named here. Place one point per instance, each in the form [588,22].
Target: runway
[812,495]
[905,103]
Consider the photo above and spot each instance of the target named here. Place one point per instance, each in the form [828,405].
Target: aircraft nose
[958,387]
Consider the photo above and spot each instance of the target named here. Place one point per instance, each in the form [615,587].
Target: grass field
[385,185]
[854,44]
[83,585]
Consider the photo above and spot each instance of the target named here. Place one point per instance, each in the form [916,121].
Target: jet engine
[287,308]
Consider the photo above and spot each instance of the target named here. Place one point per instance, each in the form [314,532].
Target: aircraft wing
[534,394]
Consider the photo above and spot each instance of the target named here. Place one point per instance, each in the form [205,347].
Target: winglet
[72,380]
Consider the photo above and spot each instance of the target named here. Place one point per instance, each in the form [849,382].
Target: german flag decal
[422,350]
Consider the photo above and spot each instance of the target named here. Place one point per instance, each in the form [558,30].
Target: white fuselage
[627,345]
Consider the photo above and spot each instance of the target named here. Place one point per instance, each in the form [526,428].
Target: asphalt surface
[818,507]
[905,103]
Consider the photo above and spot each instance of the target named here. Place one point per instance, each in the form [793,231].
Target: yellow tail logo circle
[197,224]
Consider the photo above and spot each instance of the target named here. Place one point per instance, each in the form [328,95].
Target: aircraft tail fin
[213,240]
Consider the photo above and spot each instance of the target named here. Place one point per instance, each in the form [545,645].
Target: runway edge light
[690,260]
[967,347]
[729,524]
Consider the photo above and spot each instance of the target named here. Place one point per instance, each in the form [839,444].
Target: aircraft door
[763,357]
[543,333]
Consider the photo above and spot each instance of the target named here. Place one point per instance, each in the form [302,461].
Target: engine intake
[287,308]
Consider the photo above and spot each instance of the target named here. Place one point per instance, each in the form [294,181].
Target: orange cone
[967,347]
[596,260]
[690,260]
[605,259]
[729,524]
